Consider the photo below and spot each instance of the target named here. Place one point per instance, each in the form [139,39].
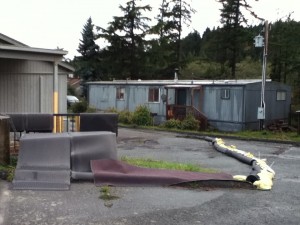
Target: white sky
[58,23]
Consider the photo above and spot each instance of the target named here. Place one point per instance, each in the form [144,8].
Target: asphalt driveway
[162,205]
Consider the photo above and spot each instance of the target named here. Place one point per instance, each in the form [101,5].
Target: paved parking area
[168,205]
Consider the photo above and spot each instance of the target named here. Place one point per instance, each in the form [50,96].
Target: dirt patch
[209,185]
[134,142]
[279,151]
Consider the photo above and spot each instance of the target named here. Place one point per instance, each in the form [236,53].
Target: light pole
[261,41]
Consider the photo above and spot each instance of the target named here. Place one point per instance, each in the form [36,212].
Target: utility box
[261,113]
[4,140]
[259,41]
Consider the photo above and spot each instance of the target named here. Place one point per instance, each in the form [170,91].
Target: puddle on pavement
[131,143]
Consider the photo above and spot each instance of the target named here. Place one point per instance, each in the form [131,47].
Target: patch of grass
[105,194]
[159,164]
[264,135]
[9,170]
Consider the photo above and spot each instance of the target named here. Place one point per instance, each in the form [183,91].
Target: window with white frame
[153,95]
[281,95]
[120,94]
[225,94]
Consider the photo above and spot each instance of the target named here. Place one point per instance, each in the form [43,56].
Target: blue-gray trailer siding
[236,112]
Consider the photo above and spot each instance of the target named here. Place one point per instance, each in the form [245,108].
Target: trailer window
[281,95]
[120,94]
[153,95]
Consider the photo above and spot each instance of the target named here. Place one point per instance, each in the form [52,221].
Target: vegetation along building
[227,105]
[32,79]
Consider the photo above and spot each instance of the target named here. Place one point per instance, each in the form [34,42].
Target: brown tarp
[118,173]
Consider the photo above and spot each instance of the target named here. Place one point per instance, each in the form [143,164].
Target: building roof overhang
[182,86]
[10,41]
[40,54]
[179,83]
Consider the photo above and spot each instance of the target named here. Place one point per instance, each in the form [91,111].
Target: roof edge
[33,50]
[66,66]
[12,41]
[178,82]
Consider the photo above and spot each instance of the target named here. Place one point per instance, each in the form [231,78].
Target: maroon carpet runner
[118,173]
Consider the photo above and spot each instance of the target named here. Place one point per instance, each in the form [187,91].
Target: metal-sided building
[32,79]
[227,105]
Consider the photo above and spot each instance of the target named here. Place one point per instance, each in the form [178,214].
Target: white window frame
[225,94]
[155,99]
[120,93]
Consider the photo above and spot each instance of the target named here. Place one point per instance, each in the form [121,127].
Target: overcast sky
[58,23]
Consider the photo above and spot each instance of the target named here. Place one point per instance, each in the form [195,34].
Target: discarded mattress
[87,146]
[117,173]
[43,162]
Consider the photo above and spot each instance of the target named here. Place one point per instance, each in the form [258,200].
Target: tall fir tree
[191,45]
[87,65]
[233,20]
[284,54]
[126,38]
[173,13]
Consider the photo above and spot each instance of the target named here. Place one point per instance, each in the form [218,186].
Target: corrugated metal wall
[224,114]
[239,112]
[104,97]
[27,86]
[274,109]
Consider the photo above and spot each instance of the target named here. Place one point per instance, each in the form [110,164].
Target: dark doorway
[181,97]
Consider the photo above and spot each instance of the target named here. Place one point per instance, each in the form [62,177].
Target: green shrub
[141,116]
[79,107]
[91,110]
[8,171]
[71,90]
[172,124]
[190,123]
[125,117]
[111,110]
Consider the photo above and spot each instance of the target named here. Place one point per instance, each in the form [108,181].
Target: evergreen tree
[191,45]
[87,65]
[284,54]
[233,20]
[284,49]
[173,13]
[126,37]
[87,46]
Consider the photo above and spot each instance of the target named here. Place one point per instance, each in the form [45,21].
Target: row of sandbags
[261,175]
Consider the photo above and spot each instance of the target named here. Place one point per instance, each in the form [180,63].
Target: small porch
[183,100]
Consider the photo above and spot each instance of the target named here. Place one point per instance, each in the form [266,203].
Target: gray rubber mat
[43,162]
[87,146]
